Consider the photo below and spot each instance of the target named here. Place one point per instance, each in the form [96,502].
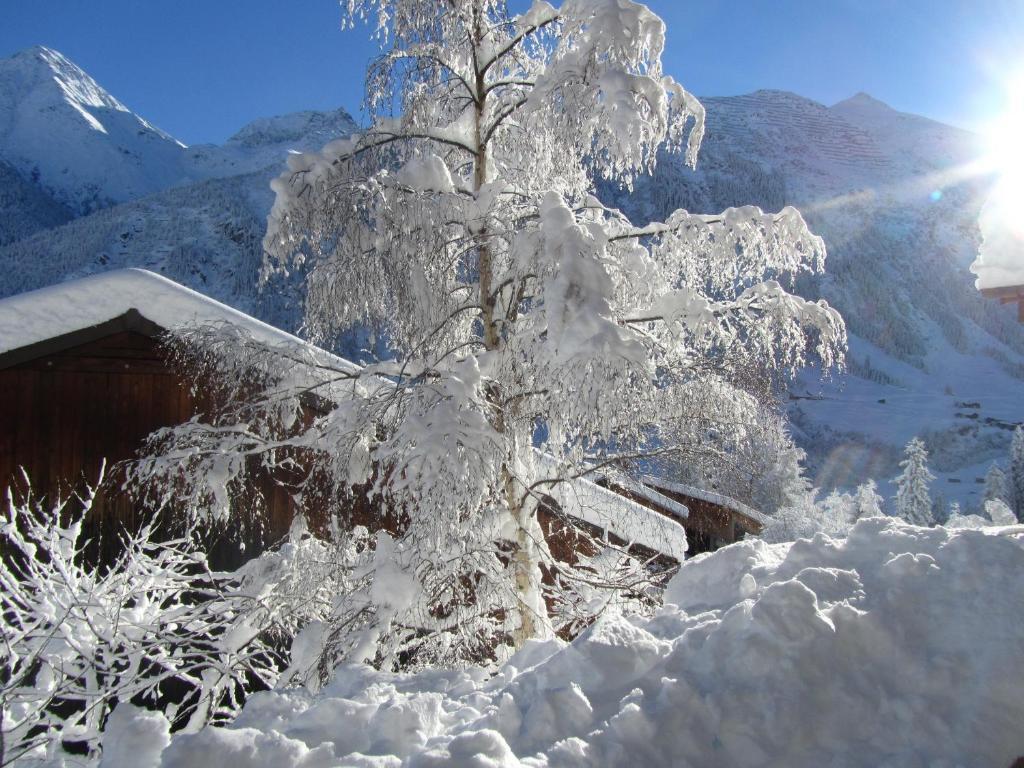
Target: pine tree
[913,502]
[995,485]
[1015,491]
[867,501]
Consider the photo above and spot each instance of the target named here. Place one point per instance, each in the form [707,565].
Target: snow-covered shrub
[735,444]
[1015,480]
[832,515]
[999,512]
[155,627]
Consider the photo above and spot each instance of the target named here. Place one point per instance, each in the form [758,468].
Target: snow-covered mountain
[79,145]
[62,130]
[25,208]
[896,198]
[894,195]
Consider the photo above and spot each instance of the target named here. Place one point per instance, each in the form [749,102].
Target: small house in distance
[711,520]
[85,380]
[1013,294]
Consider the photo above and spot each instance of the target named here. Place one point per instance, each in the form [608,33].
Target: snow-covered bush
[1015,481]
[736,445]
[831,516]
[155,627]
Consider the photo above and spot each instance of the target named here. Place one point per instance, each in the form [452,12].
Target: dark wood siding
[63,414]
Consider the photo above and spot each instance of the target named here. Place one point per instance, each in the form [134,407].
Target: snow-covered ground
[898,646]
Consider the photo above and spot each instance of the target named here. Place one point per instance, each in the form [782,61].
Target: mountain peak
[862,101]
[70,136]
[305,128]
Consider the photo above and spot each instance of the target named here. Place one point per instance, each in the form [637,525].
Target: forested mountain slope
[896,198]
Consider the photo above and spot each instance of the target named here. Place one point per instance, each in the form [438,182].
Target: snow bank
[898,646]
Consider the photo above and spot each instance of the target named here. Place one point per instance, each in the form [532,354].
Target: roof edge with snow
[88,308]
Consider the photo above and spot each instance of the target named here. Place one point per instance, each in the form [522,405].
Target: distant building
[711,520]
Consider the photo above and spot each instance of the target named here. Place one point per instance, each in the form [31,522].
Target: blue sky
[202,69]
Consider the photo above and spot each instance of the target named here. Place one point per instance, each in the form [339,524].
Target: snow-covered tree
[999,512]
[913,501]
[463,227]
[867,501]
[995,485]
[1016,474]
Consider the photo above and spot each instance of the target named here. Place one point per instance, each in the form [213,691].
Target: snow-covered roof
[648,493]
[709,496]
[605,509]
[76,305]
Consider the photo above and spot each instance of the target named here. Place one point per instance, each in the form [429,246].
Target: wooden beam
[1008,294]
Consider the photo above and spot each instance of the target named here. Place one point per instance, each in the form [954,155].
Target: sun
[1004,137]
[1000,261]
[1004,154]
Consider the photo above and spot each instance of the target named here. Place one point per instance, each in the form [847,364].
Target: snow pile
[896,646]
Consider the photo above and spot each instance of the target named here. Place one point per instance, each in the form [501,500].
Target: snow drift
[898,646]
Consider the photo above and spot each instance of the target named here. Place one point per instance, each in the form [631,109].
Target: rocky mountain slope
[86,185]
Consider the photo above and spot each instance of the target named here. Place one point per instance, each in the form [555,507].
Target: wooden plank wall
[62,414]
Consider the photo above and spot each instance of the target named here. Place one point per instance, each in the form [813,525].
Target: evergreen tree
[913,501]
[867,501]
[995,485]
[1015,492]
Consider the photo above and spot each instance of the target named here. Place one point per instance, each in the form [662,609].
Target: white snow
[77,304]
[1000,261]
[610,511]
[898,646]
[83,146]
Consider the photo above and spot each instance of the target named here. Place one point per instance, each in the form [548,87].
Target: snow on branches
[463,227]
[80,637]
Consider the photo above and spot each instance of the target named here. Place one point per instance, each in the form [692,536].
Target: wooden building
[85,380]
[711,520]
[1012,294]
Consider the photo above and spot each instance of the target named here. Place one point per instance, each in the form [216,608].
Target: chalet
[711,520]
[85,380]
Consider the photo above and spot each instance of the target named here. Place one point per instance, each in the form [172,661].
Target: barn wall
[62,414]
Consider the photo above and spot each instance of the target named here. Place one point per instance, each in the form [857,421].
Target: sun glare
[1004,138]
[1004,158]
